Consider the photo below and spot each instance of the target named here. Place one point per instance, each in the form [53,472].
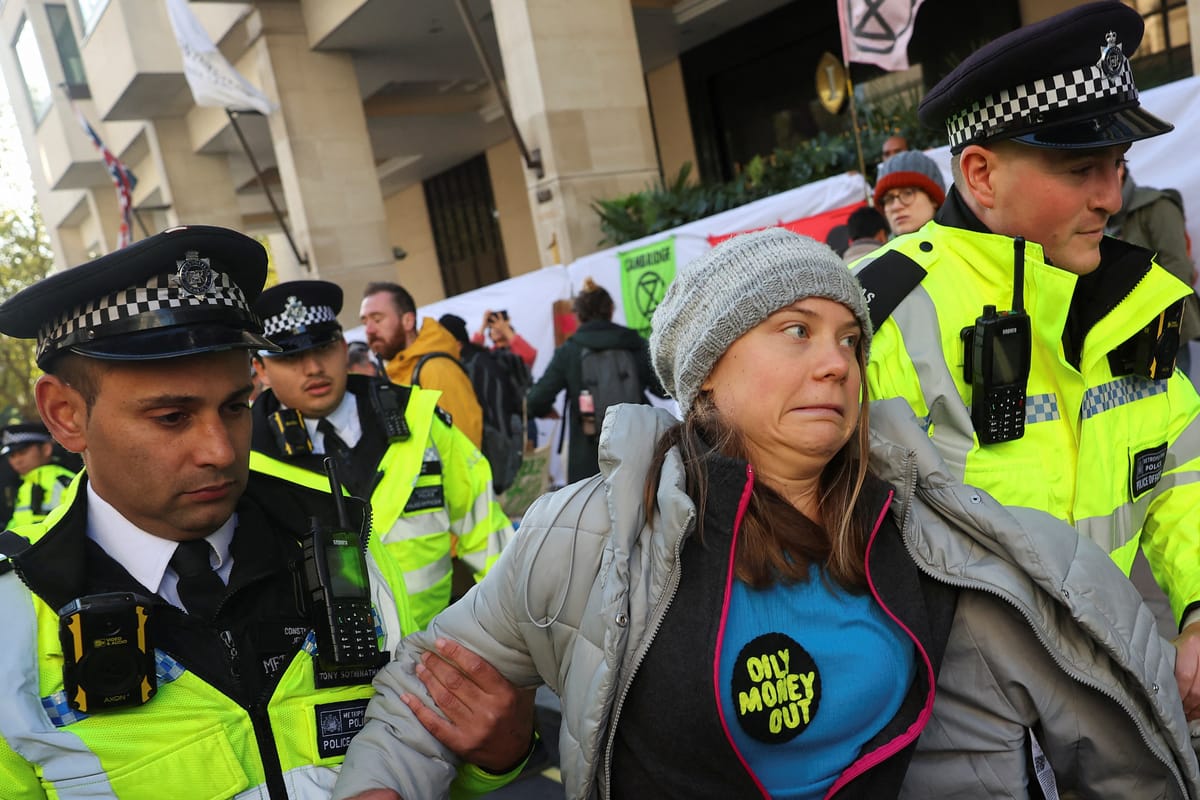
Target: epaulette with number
[443,415]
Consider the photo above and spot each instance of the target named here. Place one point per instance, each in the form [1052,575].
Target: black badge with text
[776,688]
[337,724]
[1147,469]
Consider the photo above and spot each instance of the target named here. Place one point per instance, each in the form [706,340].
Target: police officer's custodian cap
[1064,82]
[300,315]
[183,291]
[23,434]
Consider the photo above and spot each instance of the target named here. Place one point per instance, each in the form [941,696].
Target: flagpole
[233,115]
[843,7]
[862,164]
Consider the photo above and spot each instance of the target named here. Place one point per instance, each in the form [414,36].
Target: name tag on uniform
[337,724]
[425,497]
[1147,469]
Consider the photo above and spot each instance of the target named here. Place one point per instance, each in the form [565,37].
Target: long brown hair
[776,542]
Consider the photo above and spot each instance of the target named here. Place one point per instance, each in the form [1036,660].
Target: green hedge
[668,205]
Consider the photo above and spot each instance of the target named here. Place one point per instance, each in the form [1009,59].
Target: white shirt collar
[144,555]
[344,420]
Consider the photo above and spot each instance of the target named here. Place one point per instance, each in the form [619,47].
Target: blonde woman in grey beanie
[732,608]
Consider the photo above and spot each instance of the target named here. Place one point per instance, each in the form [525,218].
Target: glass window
[68,51]
[33,71]
[1177,26]
[90,12]
[1165,53]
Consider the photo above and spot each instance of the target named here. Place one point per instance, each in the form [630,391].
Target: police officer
[162,635]
[429,487]
[1038,350]
[30,452]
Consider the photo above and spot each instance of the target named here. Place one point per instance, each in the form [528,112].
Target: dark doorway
[462,214]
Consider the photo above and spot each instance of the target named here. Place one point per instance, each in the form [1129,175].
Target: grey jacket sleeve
[394,750]
[996,682]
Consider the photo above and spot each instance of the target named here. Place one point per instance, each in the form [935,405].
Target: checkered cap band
[297,318]
[160,293]
[14,439]
[1027,104]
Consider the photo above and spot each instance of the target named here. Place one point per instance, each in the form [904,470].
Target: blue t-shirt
[809,673]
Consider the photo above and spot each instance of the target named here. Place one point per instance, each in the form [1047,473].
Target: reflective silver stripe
[55,497]
[303,783]
[1119,392]
[1114,529]
[1185,447]
[480,513]
[416,526]
[1182,478]
[420,580]
[478,560]
[948,414]
[26,728]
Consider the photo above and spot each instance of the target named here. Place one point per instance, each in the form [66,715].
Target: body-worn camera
[1151,352]
[291,436]
[108,651]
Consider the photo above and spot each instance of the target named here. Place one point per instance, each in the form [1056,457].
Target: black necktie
[335,446]
[200,588]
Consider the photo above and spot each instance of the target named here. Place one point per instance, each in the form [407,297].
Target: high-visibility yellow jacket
[40,493]
[1115,455]
[432,494]
[194,739]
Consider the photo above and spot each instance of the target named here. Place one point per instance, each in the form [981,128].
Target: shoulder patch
[443,415]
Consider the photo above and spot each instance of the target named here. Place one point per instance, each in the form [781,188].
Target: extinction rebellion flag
[877,31]
[645,274]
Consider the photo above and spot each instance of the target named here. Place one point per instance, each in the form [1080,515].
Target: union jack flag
[122,177]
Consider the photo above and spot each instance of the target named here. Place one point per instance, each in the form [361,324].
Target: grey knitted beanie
[732,288]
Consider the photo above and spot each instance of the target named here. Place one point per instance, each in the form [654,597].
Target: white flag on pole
[877,31]
[213,80]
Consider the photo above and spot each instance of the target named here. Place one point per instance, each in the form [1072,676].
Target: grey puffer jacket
[1101,693]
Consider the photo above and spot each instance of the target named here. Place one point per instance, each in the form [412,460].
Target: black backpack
[500,379]
[612,377]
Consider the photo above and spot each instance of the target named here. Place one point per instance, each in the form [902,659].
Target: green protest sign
[646,272]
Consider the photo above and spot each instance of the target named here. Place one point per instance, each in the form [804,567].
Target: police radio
[389,402]
[996,359]
[291,435]
[108,651]
[335,567]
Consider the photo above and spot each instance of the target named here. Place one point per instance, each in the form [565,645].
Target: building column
[591,124]
[323,153]
[198,188]
[1193,16]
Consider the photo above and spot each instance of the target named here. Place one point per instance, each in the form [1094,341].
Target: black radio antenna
[335,488]
[1018,303]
